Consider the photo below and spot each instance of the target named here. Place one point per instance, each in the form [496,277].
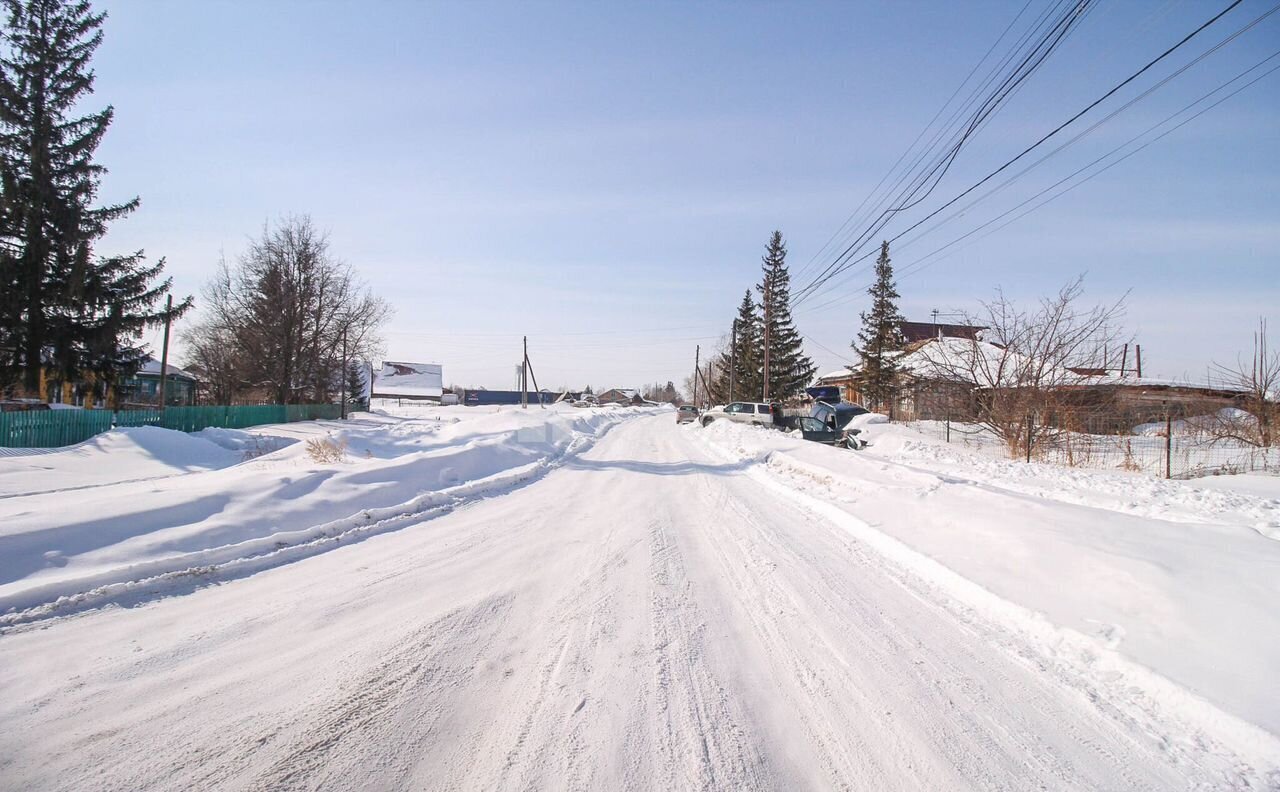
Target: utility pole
[697,352]
[534,375]
[164,353]
[524,376]
[1137,352]
[342,376]
[733,359]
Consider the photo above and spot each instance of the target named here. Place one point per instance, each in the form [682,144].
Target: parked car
[837,415]
[757,413]
[828,422]
[816,431]
[686,413]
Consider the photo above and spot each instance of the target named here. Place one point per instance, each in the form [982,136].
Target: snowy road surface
[652,614]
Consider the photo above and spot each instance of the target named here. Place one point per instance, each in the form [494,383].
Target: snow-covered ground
[601,599]
[135,510]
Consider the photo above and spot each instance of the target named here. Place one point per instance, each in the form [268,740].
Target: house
[397,380]
[143,388]
[951,378]
[916,335]
[1109,403]
[624,396]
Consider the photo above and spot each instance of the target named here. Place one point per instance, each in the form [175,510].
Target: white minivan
[758,413]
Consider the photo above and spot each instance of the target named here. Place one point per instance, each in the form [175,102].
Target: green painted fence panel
[51,428]
[56,428]
[138,418]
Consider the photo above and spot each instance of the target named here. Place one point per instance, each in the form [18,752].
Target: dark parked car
[827,423]
[687,414]
[816,431]
[837,415]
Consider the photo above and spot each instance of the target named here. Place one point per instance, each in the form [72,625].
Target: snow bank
[55,554]
[1146,573]
[130,454]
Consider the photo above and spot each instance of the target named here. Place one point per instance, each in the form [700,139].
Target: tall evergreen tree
[743,355]
[69,307]
[880,340]
[789,369]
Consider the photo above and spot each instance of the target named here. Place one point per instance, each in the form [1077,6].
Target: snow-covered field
[494,598]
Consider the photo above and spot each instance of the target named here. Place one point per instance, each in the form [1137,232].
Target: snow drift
[152,503]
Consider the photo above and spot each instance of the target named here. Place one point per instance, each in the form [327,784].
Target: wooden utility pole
[733,359]
[164,350]
[342,377]
[697,352]
[1137,353]
[524,376]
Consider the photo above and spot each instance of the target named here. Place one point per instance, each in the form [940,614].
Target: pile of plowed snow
[243,496]
[130,454]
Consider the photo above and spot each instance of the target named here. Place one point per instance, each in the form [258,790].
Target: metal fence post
[1168,442]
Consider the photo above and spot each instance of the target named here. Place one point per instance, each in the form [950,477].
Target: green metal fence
[55,428]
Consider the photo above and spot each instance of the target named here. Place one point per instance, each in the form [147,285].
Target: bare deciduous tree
[275,321]
[1258,378]
[1021,367]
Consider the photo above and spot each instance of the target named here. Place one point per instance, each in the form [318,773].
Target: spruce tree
[69,307]
[790,370]
[744,357]
[355,380]
[880,341]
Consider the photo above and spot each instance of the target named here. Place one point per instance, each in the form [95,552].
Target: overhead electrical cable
[923,262]
[843,262]
[911,183]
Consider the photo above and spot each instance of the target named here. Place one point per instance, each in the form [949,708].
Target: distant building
[144,386]
[620,396]
[409,381]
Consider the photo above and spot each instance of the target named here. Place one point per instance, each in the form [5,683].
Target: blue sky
[603,176]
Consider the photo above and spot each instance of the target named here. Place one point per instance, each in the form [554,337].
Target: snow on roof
[837,374]
[152,368]
[963,360]
[1132,380]
[409,380]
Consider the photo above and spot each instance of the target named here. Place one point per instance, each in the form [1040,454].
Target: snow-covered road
[652,614]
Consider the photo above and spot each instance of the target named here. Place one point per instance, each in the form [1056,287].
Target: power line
[919,264]
[840,265]
[909,195]
[874,190]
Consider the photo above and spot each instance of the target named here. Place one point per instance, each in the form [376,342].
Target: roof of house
[838,374]
[152,369]
[961,360]
[921,331]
